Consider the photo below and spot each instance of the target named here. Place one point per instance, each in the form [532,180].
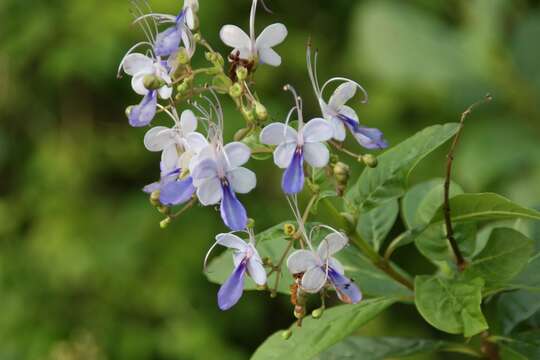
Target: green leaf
[505,256]
[434,245]
[380,348]
[485,206]
[389,179]
[271,243]
[370,279]
[515,307]
[374,225]
[315,336]
[451,305]
[524,345]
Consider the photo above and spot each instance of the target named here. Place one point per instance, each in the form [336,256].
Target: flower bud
[241,134]
[241,73]
[182,56]
[248,115]
[221,83]
[219,59]
[128,110]
[152,82]
[163,209]
[289,229]
[317,313]
[235,90]
[210,56]
[165,222]
[183,87]
[369,160]
[267,261]
[286,334]
[197,36]
[260,111]
[250,223]
[154,198]
[341,173]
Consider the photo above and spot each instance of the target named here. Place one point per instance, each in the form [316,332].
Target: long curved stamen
[325,227]
[293,203]
[364,101]
[205,268]
[312,70]
[118,74]
[164,109]
[287,120]
[252,25]
[160,18]
[156,30]
[266,8]
[145,25]
[298,102]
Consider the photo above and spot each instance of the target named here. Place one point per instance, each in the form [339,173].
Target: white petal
[196,142]
[284,154]
[331,244]
[276,133]
[188,121]
[349,112]
[237,154]
[342,94]
[209,191]
[256,271]
[269,57]
[165,92]
[137,83]
[336,265]
[316,154]
[234,37]
[169,158]
[301,260]
[242,180]
[271,36]
[317,130]
[339,129]
[231,241]
[158,138]
[313,280]
[135,63]
[206,168]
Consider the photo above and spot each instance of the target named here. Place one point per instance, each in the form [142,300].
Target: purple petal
[150,188]
[231,291]
[177,192]
[233,212]
[347,291]
[293,177]
[168,41]
[370,138]
[142,114]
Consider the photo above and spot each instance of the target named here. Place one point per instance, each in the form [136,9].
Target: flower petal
[283,154]
[301,261]
[233,212]
[317,130]
[196,142]
[242,180]
[150,188]
[256,270]
[158,138]
[271,36]
[313,280]
[331,244]
[137,83]
[316,154]
[143,114]
[276,133]
[135,63]
[168,41]
[342,94]
[209,191]
[293,177]
[165,92]
[177,192]
[370,138]
[234,37]
[336,265]
[347,290]
[188,121]
[269,57]
[206,168]
[237,154]
[169,158]
[231,291]
[231,241]
[340,131]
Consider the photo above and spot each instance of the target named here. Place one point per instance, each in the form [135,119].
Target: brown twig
[460,260]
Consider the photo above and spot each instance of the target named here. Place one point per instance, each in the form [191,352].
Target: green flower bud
[286,334]
[241,73]
[250,223]
[236,90]
[221,83]
[248,115]
[164,209]
[183,87]
[152,82]
[369,160]
[182,56]
[197,37]
[154,198]
[164,223]
[210,56]
[260,111]
[289,229]
[219,60]
[241,134]
[317,313]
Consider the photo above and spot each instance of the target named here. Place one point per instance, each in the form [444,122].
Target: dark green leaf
[515,307]
[315,336]
[521,346]
[374,225]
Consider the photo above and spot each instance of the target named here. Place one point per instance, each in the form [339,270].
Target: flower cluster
[197,165]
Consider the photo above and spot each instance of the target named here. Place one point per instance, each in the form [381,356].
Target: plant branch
[460,260]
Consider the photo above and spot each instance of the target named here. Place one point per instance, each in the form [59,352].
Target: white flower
[251,48]
[139,66]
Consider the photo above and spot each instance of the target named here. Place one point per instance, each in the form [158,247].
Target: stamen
[347,80]
[298,101]
[118,74]
[145,26]
[252,25]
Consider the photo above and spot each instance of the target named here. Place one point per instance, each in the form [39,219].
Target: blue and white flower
[173,190]
[319,268]
[253,48]
[340,115]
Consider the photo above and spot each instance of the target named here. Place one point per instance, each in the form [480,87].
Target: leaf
[434,245]
[505,256]
[271,243]
[315,336]
[380,348]
[515,307]
[370,279]
[451,305]
[374,225]
[388,180]
[485,206]
[524,345]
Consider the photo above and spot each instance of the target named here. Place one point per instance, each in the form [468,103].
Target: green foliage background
[85,271]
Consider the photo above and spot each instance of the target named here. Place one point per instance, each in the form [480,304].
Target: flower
[341,116]
[293,147]
[172,189]
[318,267]
[246,259]
[251,48]
[218,175]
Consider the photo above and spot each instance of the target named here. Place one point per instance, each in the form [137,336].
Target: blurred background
[85,270]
